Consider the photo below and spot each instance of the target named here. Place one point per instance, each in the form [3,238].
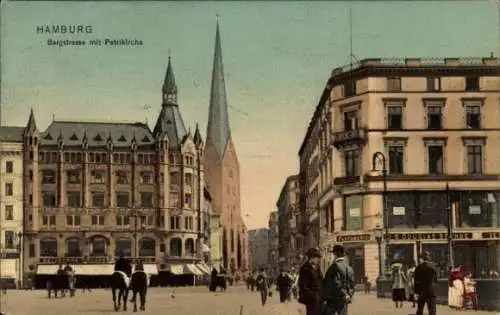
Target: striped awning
[190,269]
[201,269]
[80,270]
[203,266]
[176,269]
[151,269]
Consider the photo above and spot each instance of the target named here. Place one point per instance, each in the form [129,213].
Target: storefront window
[478,209]
[401,209]
[401,253]
[477,258]
[353,212]
[439,255]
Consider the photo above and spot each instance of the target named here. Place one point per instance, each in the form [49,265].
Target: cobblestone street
[192,301]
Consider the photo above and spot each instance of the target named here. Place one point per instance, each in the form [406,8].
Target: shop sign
[353,238]
[430,236]
[491,235]
[398,210]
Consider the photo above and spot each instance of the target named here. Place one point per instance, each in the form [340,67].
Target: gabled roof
[11,134]
[97,133]
[171,123]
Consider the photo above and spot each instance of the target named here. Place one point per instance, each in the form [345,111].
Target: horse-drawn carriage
[63,281]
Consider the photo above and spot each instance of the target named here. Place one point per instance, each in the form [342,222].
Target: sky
[277,59]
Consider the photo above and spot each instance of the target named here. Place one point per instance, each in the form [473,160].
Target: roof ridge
[112,122]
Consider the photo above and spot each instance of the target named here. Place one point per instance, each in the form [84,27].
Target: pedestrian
[339,284]
[399,282]
[425,285]
[411,286]
[284,285]
[456,288]
[310,283]
[263,285]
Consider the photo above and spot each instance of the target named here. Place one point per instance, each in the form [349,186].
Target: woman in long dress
[456,288]
[398,284]
[411,286]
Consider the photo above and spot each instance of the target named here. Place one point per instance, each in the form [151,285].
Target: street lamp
[379,158]
[378,236]
[136,217]
[449,226]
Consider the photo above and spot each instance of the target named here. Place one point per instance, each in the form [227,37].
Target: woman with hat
[399,281]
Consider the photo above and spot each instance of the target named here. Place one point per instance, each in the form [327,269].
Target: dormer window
[98,138]
[73,137]
[122,139]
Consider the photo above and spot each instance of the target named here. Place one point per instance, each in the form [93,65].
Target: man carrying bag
[338,284]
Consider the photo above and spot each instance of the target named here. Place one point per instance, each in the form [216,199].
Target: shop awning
[201,269]
[176,269]
[203,266]
[191,269]
[80,270]
[151,269]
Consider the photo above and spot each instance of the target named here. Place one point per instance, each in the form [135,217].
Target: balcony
[349,137]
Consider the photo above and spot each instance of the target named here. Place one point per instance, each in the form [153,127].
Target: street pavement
[192,301]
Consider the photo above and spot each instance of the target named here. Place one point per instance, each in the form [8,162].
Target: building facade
[290,240]
[11,204]
[259,238]
[432,125]
[94,191]
[216,242]
[222,171]
[273,256]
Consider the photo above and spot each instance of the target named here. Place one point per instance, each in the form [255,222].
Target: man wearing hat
[338,286]
[425,285]
[310,282]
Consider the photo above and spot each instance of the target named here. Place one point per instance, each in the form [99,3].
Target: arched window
[123,247]
[176,247]
[48,247]
[147,247]
[98,246]
[189,247]
[232,240]
[73,247]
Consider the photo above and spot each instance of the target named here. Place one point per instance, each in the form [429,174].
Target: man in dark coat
[284,285]
[310,282]
[124,265]
[425,285]
[338,285]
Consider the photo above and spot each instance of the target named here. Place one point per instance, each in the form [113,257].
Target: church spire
[169,89]
[218,130]
[31,125]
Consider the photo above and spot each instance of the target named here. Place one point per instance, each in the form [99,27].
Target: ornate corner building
[432,125]
[273,247]
[95,190]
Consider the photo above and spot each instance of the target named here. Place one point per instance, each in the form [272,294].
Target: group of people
[286,284]
[462,288]
[329,294]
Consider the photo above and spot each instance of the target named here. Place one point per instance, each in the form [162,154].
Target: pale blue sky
[277,58]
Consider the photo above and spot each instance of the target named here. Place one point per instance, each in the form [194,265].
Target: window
[122,199]
[189,160]
[434,117]
[188,179]
[49,220]
[30,175]
[48,177]
[9,189]
[396,160]
[349,88]
[73,176]
[97,220]
[74,199]
[73,220]
[394,117]
[121,178]
[122,220]
[393,84]
[188,223]
[435,159]
[98,247]
[472,84]
[473,117]
[350,120]
[433,84]
[48,247]
[97,199]
[31,250]
[97,177]
[9,167]
[188,200]
[474,159]
[351,158]
[49,198]
[146,178]
[175,222]
[9,239]
[9,212]
[147,199]
[73,248]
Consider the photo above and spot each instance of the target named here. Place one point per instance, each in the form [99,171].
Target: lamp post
[449,226]
[379,158]
[136,217]
[20,257]
[378,237]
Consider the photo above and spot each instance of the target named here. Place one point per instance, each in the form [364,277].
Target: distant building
[273,256]
[259,238]
[11,204]
[290,238]
[216,241]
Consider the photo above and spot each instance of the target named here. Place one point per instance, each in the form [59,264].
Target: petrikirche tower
[222,171]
